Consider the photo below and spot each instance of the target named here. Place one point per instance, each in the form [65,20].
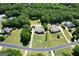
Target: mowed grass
[14,38]
[38,41]
[31,53]
[63,51]
[67,34]
[54,41]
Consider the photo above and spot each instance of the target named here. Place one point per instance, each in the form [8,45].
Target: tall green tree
[76,51]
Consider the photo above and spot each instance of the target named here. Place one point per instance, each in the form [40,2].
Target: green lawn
[31,53]
[38,41]
[54,41]
[62,51]
[14,38]
[67,34]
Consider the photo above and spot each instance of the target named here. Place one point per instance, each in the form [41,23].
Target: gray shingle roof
[68,24]
[7,29]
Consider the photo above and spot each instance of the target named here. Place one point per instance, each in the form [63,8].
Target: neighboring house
[68,24]
[54,29]
[6,30]
[38,29]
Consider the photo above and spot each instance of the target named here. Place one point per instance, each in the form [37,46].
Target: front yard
[40,41]
[14,38]
[54,41]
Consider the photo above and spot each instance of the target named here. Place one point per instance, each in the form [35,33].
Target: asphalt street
[39,49]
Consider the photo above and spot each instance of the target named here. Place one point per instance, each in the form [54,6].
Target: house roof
[39,29]
[7,29]
[54,28]
[68,24]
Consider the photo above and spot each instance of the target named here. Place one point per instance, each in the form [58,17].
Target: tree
[14,23]
[5,23]
[73,38]
[77,37]
[27,27]
[23,19]
[2,38]
[44,19]
[76,51]
[45,26]
[13,13]
[13,52]
[25,37]
[58,36]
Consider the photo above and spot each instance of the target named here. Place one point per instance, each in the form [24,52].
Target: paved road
[39,49]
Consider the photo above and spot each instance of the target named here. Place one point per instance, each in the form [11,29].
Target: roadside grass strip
[32,53]
[63,52]
[3,52]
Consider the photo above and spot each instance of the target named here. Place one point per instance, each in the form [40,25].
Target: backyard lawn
[31,53]
[63,51]
[14,38]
